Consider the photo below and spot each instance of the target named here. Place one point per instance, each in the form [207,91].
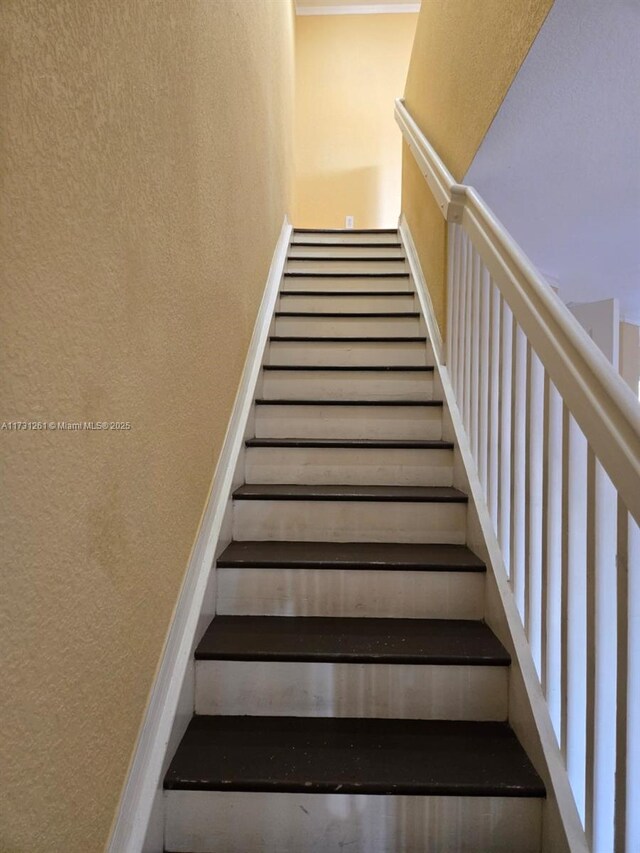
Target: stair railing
[555,436]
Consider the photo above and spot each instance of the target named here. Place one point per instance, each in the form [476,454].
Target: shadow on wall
[324,200]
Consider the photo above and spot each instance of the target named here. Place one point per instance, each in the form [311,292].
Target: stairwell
[349,695]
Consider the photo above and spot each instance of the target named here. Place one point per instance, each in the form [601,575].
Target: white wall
[560,164]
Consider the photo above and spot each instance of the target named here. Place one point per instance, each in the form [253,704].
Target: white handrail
[602,404]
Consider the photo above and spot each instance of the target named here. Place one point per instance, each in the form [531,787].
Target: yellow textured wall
[464,58]
[349,70]
[145,156]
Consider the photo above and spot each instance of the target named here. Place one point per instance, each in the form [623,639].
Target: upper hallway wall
[560,164]
[146,151]
[349,69]
[465,56]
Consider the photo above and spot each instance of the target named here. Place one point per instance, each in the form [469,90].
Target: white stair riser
[357,353]
[350,327]
[344,265]
[369,304]
[346,250]
[349,422]
[238,822]
[347,385]
[324,689]
[349,521]
[349,466]
[350,593]
[345,237]
[341,283]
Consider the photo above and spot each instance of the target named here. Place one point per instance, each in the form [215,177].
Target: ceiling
[354,7]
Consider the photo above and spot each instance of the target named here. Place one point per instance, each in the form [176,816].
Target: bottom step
[288,784]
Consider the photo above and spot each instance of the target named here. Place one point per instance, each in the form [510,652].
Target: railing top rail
[603,405]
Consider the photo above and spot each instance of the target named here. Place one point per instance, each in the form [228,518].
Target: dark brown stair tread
[345,231]
[348,258]
[348,756]
[352,640]
[347,314]
[261,402]
[350,245]
[354,368]
[339,293]
[298,274]
[354,443]
[384,556]
[388,494]
[409,339]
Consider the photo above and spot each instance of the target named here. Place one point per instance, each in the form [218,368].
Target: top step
[341,237]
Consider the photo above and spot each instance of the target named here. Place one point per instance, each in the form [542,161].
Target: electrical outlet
[348,222]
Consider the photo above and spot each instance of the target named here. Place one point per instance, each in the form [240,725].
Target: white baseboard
[144,777]
[422,290]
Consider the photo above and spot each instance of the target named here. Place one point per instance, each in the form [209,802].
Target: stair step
[385,403]
[449,642]
[347,324]
[366,443]
[406,339]
[320,243]
[363,258]
[377,315]
[347,381]
[358,756]
[348,275]
[355,368]
[386,494]
[345,231]
[348,263]
[347,293]
[351,667]
[350,250]
[347,301]
[382,556]
[350,579]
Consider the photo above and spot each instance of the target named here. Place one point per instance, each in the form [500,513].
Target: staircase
[348,694]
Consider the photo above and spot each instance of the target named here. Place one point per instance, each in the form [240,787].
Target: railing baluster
[468,333]
[551,569]
[462,316]
[484,368]
[601,656]
[475,354]
[493,405]
[453,299]
[505,410]
[574,531]
[627,820]
[518,463]
[533,529]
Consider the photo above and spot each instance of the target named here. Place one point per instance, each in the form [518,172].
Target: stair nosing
[346,259]
[349,245]
[403,494]
[415,339]
[328,556]
[379,315]
[236,753]
[335,629]
[298,274]
[356,368]
[345,231]
[316,402]
[353,443]
[348,293]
